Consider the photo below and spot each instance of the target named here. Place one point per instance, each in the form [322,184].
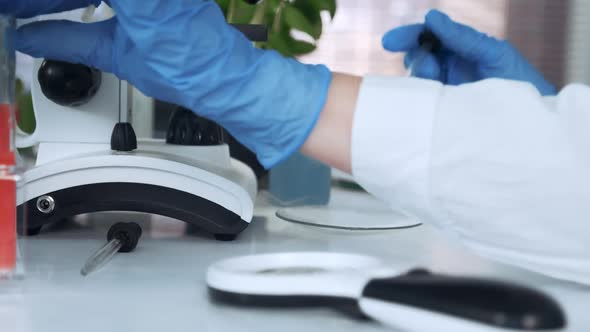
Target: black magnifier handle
[460,301]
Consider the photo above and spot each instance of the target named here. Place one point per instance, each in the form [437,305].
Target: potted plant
[284,18]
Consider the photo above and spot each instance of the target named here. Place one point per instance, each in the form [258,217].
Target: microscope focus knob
[187,128]
[123,138]
[68,84]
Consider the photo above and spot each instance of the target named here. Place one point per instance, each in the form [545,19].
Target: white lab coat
[493,163]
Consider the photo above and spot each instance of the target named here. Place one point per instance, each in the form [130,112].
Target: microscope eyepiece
[68,84]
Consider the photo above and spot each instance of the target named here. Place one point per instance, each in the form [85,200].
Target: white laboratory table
[161,286]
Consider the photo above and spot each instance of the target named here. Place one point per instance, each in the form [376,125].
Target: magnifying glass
[414,301]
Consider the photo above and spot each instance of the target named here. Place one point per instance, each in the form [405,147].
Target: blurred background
[553,34]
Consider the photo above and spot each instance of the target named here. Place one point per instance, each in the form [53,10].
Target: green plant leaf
[295,19]
[241,12]
[223,4]
[299,47]
[329,5]
[279,43]
[300,15]
[318,6]
[283,42]
[24,102]
[312,13]
[244,12]
[272,5]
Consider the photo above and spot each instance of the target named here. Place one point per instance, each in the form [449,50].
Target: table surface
[161,286]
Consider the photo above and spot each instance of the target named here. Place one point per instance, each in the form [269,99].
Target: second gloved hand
[184,52]
[467,55]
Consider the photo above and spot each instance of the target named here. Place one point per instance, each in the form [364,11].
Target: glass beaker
[10,177]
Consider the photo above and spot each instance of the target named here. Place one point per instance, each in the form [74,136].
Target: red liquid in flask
[7,190]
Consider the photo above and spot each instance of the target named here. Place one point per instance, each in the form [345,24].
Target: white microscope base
[217,197]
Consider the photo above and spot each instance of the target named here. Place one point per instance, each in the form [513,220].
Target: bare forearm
[330,141]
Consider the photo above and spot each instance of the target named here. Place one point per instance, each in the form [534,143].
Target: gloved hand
[184,52]
[467,55]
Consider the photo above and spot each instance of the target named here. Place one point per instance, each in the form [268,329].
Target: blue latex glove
[184,52]
[467,55]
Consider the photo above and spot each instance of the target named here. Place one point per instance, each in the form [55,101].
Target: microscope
[90,160]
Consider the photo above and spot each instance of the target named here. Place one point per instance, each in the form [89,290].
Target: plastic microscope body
[77,171]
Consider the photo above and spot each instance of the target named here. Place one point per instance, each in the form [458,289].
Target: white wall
[578,55]
[352,42]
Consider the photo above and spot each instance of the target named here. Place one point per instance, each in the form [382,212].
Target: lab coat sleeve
[503,169]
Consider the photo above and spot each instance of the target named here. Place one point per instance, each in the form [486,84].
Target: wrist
[270,104]
[330,140]
[297,104]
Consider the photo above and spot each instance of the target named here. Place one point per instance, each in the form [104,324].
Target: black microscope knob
[419,272]
[123,137]
[187,128]
[68,84]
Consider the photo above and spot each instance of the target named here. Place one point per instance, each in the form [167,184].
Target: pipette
[429,44]
[122,237]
